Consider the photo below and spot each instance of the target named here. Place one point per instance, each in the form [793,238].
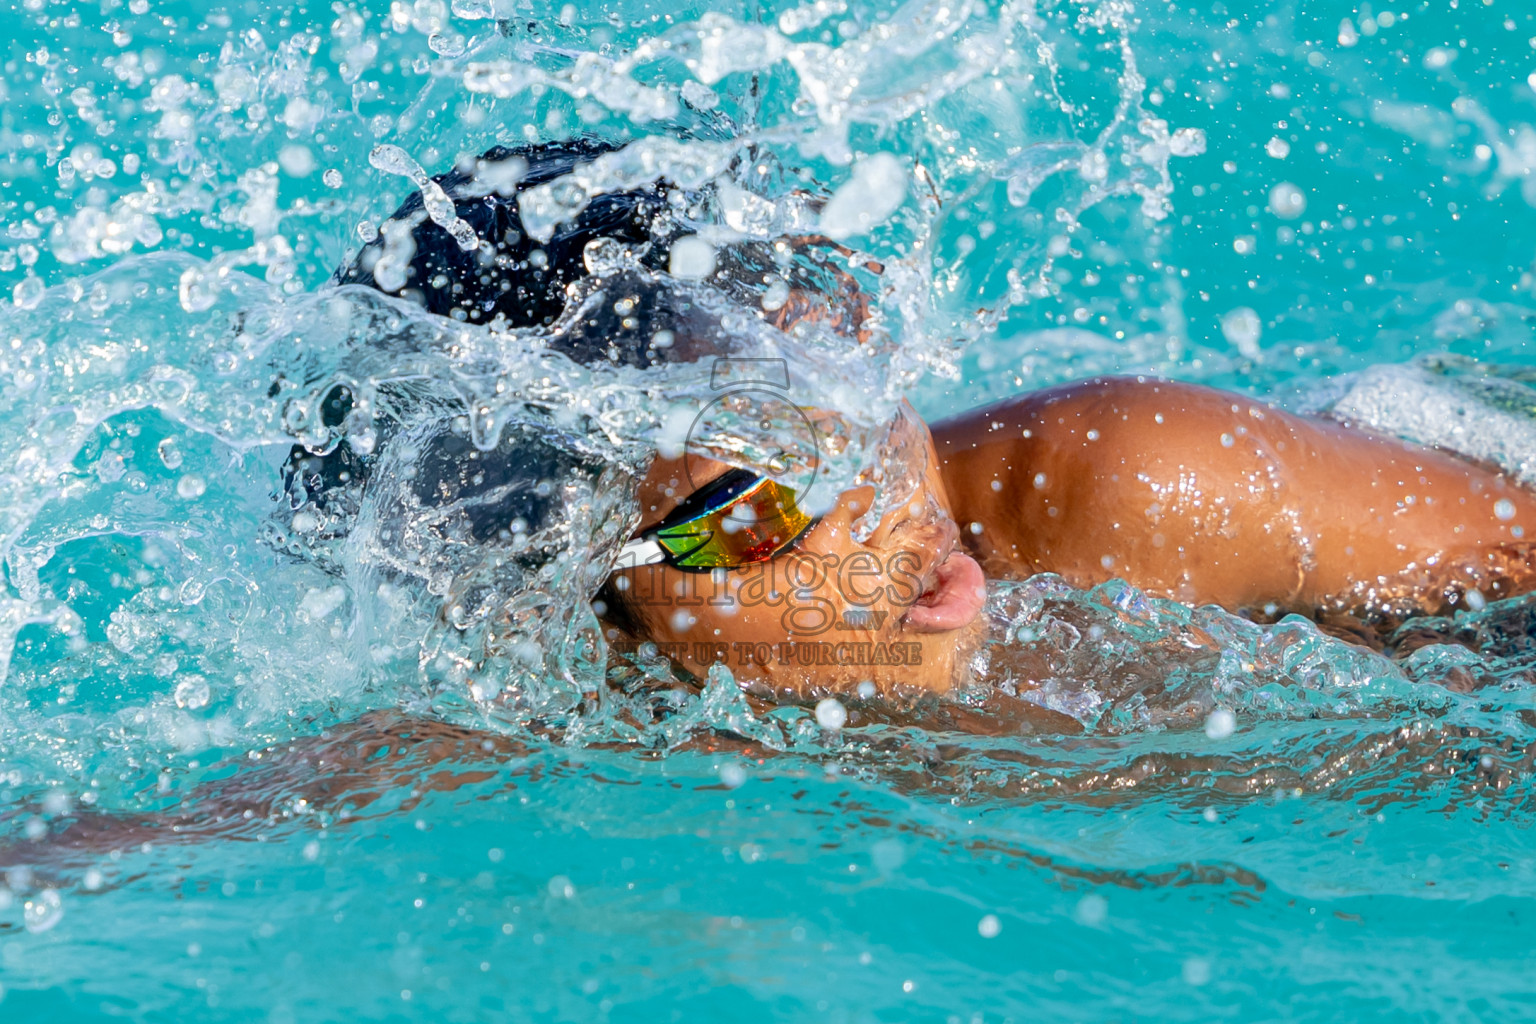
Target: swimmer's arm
[338,775]
[383,763]
[1210,497]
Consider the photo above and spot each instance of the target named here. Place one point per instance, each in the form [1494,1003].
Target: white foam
[1475,417]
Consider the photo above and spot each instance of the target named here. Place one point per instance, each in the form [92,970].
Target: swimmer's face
[829,612]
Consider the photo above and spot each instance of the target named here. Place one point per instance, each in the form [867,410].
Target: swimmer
[1183,491]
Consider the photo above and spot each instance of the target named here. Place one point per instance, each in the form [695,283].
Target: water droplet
[28,292]
[776,295]
[170,453]
[830,714]
[1504,509]
[1437,57]
[1220,724]
[692,258]
[446,44]
[191,487]
[1187,142]
[1286,201]
[198,291]
[192,692]
[441,209]
[876,189]
[603,256]
[43,911]
[1091,910]
[1243,329]
[988,927]
[732,775]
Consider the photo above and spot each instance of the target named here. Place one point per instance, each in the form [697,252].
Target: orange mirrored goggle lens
[750,520]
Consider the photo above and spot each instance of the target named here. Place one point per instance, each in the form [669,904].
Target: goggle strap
[640,551]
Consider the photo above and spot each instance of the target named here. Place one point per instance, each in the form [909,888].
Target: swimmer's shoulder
[1094,417]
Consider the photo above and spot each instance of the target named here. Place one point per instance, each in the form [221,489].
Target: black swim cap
[525,284]
[510,275]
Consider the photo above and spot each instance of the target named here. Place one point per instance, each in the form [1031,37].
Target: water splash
[192,653]
[963,149]
[394,160]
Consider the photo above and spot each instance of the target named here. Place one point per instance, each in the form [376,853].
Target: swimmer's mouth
[953,593]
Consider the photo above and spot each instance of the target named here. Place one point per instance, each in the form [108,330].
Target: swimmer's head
[823,591]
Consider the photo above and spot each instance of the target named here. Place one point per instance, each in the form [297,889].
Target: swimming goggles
[735,520]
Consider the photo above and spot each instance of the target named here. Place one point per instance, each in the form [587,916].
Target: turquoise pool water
[238,785]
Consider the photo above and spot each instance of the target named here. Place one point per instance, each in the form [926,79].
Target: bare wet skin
[1186,493]
[1208,498]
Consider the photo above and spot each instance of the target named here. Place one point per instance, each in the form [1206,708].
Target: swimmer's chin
[952,601]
